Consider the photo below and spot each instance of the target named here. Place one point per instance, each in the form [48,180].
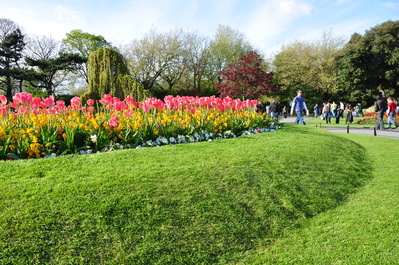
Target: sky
[267,24]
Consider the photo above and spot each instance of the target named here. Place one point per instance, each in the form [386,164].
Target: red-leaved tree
[245,78]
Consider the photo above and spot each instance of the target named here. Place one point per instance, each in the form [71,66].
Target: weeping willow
[108,74]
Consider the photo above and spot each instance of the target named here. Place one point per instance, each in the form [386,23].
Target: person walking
[333,109]
[327,112]
[380,106]
[392,113]
[274,110]
[316,110]
[298,104]
[285,111]
[338,115]
[349,114]
[342,107]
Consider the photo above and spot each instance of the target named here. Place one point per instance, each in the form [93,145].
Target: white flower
[93,138]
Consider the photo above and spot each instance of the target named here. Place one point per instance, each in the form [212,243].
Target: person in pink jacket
[391,113]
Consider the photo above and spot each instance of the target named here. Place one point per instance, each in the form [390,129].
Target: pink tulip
[130,101]
[48,101]
[106,99]
[90,102]
[3,99]
[128,113]
[36,101]
[113,122]
[23,98]
[3,109]
[75,101]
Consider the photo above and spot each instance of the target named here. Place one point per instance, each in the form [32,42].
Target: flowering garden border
[42,127]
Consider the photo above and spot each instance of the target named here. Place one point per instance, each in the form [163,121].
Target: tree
[108,74]
[370,62]
[12,45]
[83,43]
[42,47]
[308,64]
[197,55]
[47,69]
[227,46]
[246,78]
[149,57]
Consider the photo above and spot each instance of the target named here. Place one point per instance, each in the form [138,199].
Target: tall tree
[149,57]
[370,62]
[197,56]
[177,66]
[246,78]
[308,64]
[83,43]
[228,45]
[42,47]
[11,47]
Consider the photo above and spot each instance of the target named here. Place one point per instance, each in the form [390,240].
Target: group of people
[382,105]
[338,111]
[274,109]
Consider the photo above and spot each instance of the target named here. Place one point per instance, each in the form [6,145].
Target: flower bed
[371,118]
[34,128]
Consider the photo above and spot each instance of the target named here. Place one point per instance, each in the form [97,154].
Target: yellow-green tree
[109,74]
[308,64]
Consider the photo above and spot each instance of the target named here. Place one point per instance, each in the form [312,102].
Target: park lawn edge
[183,204]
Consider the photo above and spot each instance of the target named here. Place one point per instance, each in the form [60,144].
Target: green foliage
[83,43]
[47,69]
[77,41]
[227,46]
[309,64]
[370,62]
[204,203]
[108,74]
[11,47]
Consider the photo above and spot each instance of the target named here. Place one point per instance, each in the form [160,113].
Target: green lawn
[341,123]
[362,231]
[288,196]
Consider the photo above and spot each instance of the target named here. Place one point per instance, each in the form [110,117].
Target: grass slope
[363,231]
[202,203]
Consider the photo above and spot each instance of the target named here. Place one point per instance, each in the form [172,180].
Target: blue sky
[266,23]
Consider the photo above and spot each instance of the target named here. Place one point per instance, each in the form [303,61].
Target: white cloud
[294,8]
[394,5]
[273,20]
[69,15]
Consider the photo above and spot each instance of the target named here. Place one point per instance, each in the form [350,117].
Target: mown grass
[203,203]
[362,231]
[342,123]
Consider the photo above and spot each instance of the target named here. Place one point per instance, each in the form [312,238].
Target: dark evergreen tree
[46,69]
[11,47]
